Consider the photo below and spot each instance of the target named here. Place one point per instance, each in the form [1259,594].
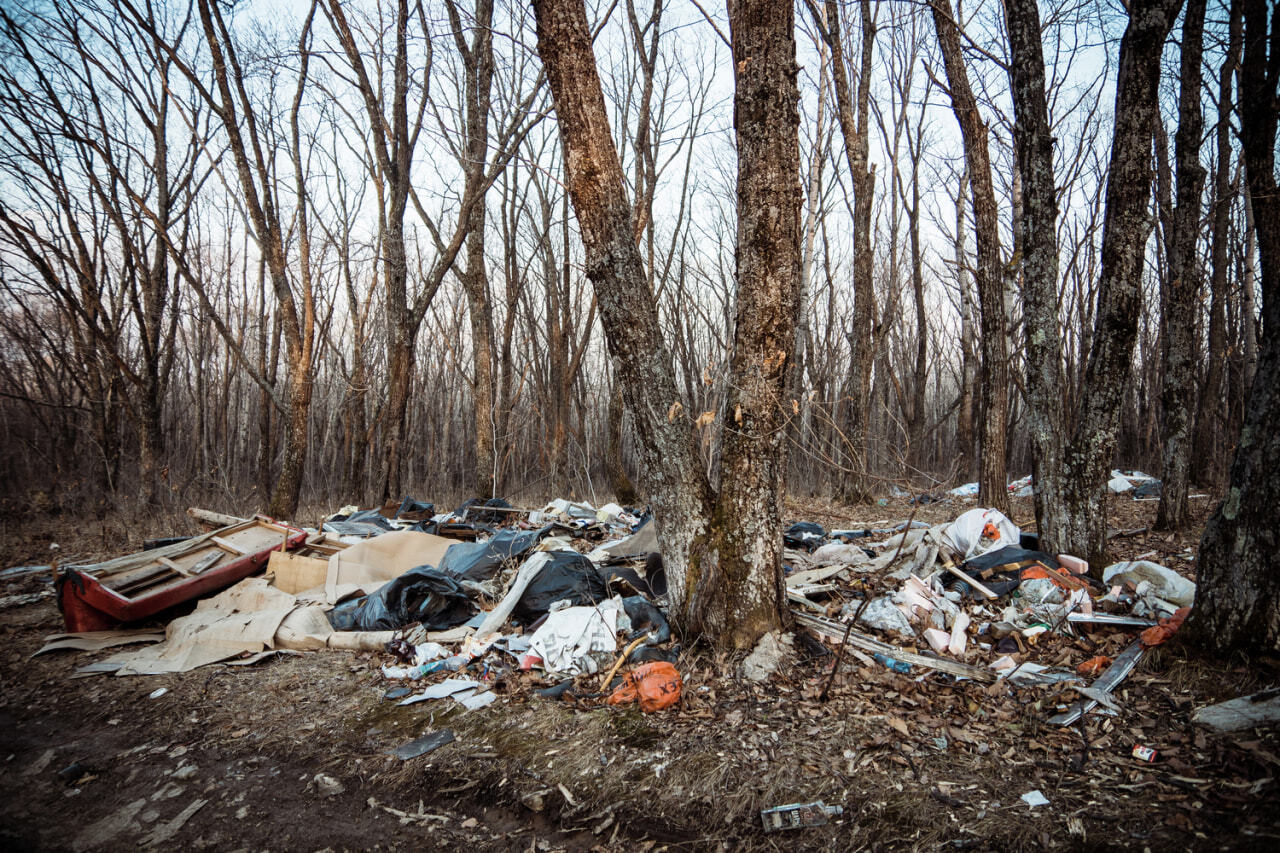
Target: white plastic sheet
[966,538]
[568,636]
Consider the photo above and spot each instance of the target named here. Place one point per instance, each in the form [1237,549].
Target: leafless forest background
[345,267]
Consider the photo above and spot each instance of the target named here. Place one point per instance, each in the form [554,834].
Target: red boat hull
[88,605]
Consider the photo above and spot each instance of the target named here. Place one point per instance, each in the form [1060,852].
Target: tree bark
[672,478]
[478,60]
[1182,300]
[1126,226]
[1038,226]
[992,479]
[740,593]
[1238,594]
[965,436]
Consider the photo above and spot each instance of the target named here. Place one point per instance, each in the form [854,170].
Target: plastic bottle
[892,663]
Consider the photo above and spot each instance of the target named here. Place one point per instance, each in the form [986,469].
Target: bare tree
[1207,458]
[1126,227]
[1038,226]
[722,550]
[989,274]
[1182,280]
[854,126]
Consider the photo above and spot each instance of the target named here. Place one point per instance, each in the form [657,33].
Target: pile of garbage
[976,598]
[568,601]
[482,598]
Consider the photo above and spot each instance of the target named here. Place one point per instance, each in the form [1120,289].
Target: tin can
[1144,753]
[797,815]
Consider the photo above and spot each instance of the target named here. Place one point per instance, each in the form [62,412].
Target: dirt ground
[292,753]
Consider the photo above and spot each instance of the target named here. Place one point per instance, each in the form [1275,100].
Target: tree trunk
[1238,572]
[624,491]
[1126,227]
[479,77]
[1207,467]
[284,499]
[965,436]
[740,594]
[1038,237]
[992,481]
[722,555]
[1182,301]
[673,481]
[854,128]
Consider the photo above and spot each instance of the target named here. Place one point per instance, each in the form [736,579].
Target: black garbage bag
[804,535]
[424,594]
[479,561]
[1148,489]
[568,575]
[646,619]
[421,509]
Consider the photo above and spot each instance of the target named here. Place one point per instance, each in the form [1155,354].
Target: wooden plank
[214,519]
[971,581]
[836,630]
[230,546]
[165,561]
[206,562]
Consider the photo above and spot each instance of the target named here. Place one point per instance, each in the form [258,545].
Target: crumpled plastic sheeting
[965,534]
[884,615]
[566,639]
[1165,583]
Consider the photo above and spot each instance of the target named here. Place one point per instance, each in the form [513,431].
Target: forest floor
[291,754]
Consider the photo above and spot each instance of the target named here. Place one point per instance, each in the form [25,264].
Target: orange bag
[1164,629]
[657,685]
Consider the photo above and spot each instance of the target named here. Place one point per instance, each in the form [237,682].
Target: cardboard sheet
[244,618]
[370,564]
[94,641]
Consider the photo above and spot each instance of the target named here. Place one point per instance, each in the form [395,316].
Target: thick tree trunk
[739,594]
[992,480]
[1238,593]
[722,555]
[1038,226]
[1182,300]
[1126,226]
[673,481]
[1207,468]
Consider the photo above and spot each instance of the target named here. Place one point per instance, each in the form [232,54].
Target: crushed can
[797,815]
[1144,753]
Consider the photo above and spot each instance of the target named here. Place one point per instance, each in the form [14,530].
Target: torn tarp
[480,561]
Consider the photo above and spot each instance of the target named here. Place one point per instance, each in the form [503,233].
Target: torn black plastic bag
[567,575]
[479,561]
[804,535]
[424,594]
